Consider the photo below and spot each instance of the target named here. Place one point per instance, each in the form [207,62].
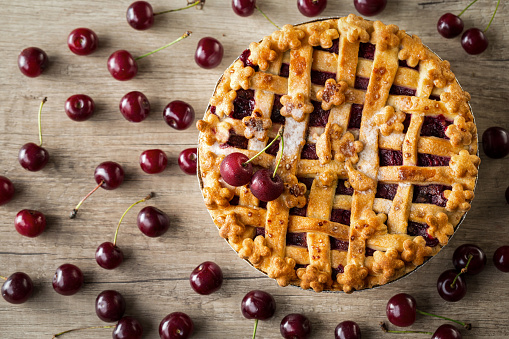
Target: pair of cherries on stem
[236,170]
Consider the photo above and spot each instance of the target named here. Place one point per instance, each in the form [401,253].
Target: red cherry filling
[276,116]
[274,148]
[367,51]
[243,104]
[234,169]
[430,160]
[337,244]
[244,57]
[296,239]
[320,77]
[386,191]
[341,216]
[341,189]
[319,117]
[355,116]
[284,71]
[333,49]
[401,90]
[390,157]
[301,212]
[309,152]
[237,141]
[431,194]
[361,83]
[418,229]
[435,126]
[336,271]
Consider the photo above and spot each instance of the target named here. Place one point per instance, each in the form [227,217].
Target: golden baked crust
[380,158]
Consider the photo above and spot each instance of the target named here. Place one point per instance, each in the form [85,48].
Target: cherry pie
[379,160]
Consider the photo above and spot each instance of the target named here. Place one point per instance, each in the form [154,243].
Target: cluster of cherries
[473,41]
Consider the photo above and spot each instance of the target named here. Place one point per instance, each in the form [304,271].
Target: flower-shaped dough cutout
[210,161]
[213,130]
[321,34]
[296,106]
[224,96]
[254,250]
[439,227]
[415,251]
[440,72]
[294,195]
[217,196]
[347,148]
[288,37]
[355,28]
[461,132]
[240,75]
[256,126]
[370,224]
[358,180]
[332,94]
[387,264]
[458,198]
[390,120]
[385,36]
[464,164]
[262,53]
[325,141]
[313,277]
[230,228]
[282,269]
[353,278]
[456,101]
[412,49]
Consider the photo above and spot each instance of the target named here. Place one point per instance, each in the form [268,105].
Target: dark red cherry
[134,106]
[463,253]
[243,7]
[258,305]
[140,15]
[449,291]
[32,61]
[506,194]
[265,187]
[369,7]
[110,306]
[17,288]
[153,222]
[474,41]
[209,53]
[450,26]
[179,114]
[109,256]
[401,310]
[30,223]
[6,190]
[495,142]
[501,258]
[110,173]
[447,331]
[234,171]
[82,41]
[33,157]
[311,8]
[68,279]
[79,107]
[206,278]
[347,330]
[122,66]
[187,160]
[128,328]
[295,326]
[153,161]
[176,325]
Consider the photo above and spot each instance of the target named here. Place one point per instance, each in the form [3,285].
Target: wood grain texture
[154,278]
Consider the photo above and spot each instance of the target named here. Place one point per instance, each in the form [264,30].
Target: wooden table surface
[154,276]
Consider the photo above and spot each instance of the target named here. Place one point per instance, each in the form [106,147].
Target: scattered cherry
[295,326]
[209,53]
[447,331]
[369,7]
[128,328]
[140,14]
[474,41]
[495,142]
[17,288]
[450,26]
[110,306]
[79,107]
[187,160]
[153,222]
[266,186]
[30,223]
[506,195]
[451,286]
[461,258]
[153,161]
[6,190]
[244,8]
[258,305]
[501,258]
[179,114]
[32,61]
[311,8]
[236,170]
[34,157]
[347,330]
[206,278]
[176,325]
[134,106]
[68,279]
[82,41]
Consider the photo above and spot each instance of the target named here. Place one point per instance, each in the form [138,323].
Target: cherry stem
[75,210]
[266,17]
[468,326]
[180,9]
[255,326]
[83,328]
[279,135]
[39,120]
[185,35]
[280,154]
[473,2]
[463,270]
[496,9]
[2,277]
[384,328]
[150,196]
